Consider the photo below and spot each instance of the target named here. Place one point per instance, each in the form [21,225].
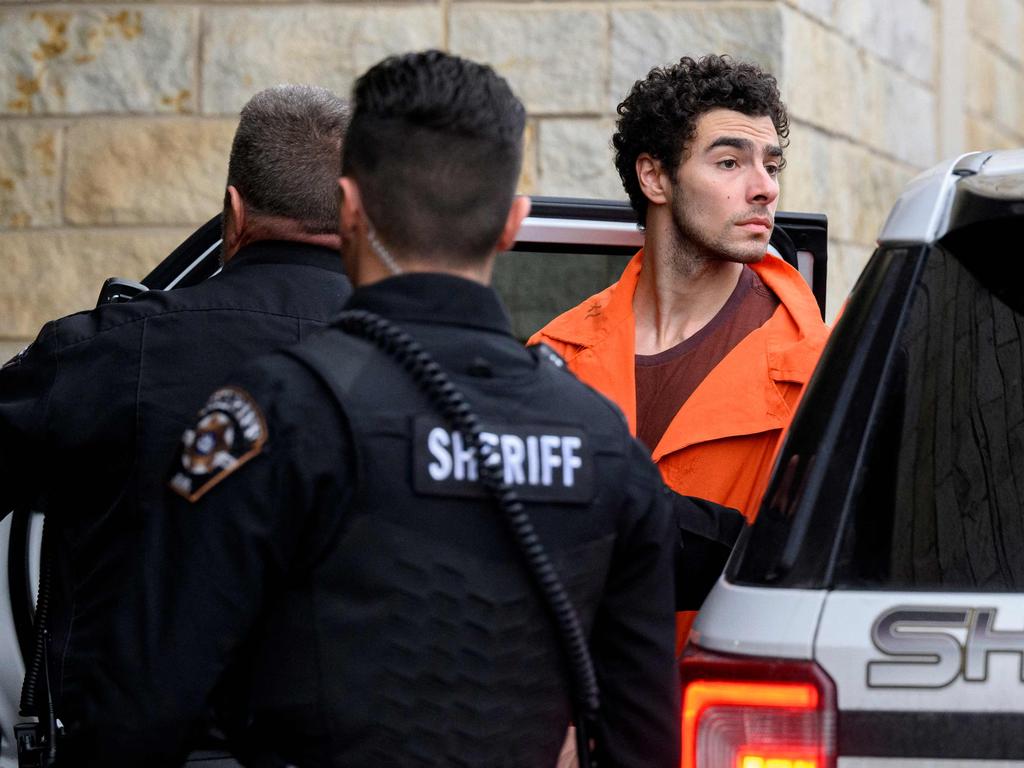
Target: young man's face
[727,186]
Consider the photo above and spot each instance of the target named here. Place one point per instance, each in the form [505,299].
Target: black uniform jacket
[90,413]
[333,555]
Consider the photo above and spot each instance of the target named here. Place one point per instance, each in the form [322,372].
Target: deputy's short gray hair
[286,155]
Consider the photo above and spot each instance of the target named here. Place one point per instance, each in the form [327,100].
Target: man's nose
[762,186]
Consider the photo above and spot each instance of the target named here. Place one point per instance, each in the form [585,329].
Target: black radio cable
[454,409]
[38,665]
[35,663]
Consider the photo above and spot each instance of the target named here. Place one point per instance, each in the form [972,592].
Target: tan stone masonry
[116,118]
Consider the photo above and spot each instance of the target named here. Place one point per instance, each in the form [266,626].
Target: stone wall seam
[200,55]
[243,54]
[63,183]
[852,40]
[664,5]
[847,139]
[111,117]
[62,50]
[446,24]
[608,63]
[864,106]
[111,228]
[532,5]
[540,51]
[582,115]
[999,53]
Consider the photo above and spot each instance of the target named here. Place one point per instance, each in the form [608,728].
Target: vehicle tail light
[751,712]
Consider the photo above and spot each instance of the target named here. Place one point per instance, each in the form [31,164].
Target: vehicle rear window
[795,539]
[939,502]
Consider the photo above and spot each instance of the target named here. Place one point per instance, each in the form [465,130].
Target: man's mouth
[756,224]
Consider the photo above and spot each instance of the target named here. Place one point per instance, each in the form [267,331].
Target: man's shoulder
[113,325]
[106,324]
[108,321]
[593,318]
[577,327]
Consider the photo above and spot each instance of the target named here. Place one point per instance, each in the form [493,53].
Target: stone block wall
[116,118]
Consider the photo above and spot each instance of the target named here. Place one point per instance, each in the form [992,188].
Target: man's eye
[728,164]
[773,170]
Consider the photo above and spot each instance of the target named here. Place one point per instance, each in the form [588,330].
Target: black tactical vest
[431,643]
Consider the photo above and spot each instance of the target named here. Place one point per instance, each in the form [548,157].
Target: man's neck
[678,292]
[368,267]
[275,228]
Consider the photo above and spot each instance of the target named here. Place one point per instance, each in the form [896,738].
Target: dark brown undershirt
[664,381]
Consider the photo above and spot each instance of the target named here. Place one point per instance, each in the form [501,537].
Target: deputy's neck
[371,269]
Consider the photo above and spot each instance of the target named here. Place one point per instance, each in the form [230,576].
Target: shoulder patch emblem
[230,430]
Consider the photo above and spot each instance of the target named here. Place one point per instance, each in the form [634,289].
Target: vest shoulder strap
[337,371]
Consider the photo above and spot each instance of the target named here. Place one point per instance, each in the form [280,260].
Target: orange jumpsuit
[721,444]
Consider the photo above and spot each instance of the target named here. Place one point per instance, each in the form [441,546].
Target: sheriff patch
[230,430]
[541,463]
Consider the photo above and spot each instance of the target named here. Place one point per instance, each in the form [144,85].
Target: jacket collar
[434,298]
[794,340]
[740,396]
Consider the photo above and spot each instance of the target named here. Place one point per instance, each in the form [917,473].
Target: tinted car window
[943,503]
[795,539]
[537,287]
[904,467]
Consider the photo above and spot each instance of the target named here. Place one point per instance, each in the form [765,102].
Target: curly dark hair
[659,116]
[436,144]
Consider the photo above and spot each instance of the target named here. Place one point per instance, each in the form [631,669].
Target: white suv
[873,615]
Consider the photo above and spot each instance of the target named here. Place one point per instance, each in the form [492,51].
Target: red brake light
[748,712]
[779,759]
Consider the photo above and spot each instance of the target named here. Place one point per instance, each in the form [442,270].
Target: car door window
[538,286]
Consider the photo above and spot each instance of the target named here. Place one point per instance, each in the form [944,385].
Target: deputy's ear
[350,212]
[520,210]
[234,222]
[652,178]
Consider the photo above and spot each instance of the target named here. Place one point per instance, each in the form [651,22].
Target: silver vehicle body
[923,675]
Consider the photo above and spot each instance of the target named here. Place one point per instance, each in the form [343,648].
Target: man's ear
[520,210]
[652,178]
[350,212]
[234,222]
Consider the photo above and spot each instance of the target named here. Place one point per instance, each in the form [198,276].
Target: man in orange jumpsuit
[705,342]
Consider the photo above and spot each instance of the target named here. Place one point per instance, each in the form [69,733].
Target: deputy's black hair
[659,116]
[435,145]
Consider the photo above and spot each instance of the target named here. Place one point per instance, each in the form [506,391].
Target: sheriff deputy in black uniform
[332,557]
[91,413]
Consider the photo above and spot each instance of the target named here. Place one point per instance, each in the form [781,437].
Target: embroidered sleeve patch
[229,431]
